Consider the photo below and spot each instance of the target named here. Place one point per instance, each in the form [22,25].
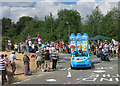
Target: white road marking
[99,71]
[78,78]
[86,79]
[93,75]
[68,68]
[110,79]
[16,83]
[105,68]
[51,80]
[117,79]
[39,75]
[63,69]
[106,75]
[117,75]
[69,75]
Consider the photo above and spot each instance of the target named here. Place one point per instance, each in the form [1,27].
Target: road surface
[101,73]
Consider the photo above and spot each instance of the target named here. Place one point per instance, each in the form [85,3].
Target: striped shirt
[54,55]
[2,64]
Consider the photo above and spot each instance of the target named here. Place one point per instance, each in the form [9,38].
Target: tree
[94,22]
[65,19]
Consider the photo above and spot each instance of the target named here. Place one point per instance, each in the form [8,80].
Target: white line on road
[51,80]
[26,80]
[16,83]
[99,71]
[68,68]
[63,69]
[39,75]
[69,75]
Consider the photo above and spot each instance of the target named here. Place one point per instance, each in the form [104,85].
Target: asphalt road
[101,73]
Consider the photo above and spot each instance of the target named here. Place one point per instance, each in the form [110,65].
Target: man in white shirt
[30,45]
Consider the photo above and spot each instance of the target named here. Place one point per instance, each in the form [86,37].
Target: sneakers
[42,70]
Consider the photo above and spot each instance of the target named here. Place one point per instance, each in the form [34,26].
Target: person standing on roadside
[38,57]
[3,71]
[26,61]
[54,59]
[47,60]
[12,62]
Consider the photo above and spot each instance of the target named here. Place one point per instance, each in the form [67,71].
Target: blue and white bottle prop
[72,42]
[85,43]
[79,41]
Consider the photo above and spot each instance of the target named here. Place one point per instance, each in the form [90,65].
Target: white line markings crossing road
[105,68]
[99,71]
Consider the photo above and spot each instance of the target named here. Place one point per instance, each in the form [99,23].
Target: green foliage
[58,29]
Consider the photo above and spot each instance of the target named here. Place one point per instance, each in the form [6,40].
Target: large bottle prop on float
[79,41]
[85,43]
[72,42]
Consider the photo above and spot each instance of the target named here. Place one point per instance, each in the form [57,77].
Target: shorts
[47,64]
[3,72]
[110,51]
[115,51]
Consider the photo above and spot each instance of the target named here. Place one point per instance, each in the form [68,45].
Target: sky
[14,9]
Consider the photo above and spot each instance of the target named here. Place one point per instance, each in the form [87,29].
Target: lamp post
[68,28]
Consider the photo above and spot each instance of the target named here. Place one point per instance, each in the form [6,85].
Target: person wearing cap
[12,62]
[26,61]
[3,71]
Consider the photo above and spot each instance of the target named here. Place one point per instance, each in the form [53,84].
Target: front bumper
[81,64]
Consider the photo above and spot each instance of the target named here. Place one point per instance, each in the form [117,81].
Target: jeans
[13,67]
[96,51]
[27,49]
[54,63]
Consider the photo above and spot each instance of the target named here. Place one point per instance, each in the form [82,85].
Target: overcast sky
[14,9]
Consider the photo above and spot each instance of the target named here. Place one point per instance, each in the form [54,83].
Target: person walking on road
[12,58]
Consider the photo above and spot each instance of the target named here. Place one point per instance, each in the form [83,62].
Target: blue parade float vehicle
[80,57]
[80,60]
